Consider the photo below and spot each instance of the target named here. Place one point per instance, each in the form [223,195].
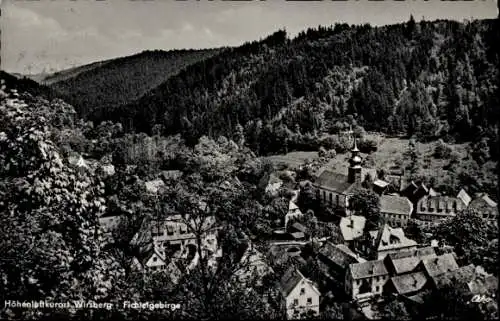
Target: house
[151,259]
[273,185]
[407,284]
[464,197]
[395,176]
[435,266]
[351,229]
[380,186]
[299,294]
[388,240]
[110,221]
[337,257]
[366,279]
[395,210]
[335,189]
[485,207]
[177,234]
[435,209]
[407,261]
[415,191]
[293,212]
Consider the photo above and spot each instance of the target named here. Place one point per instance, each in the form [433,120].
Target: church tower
[354,172]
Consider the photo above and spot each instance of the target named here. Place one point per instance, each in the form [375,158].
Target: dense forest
[425,79]
[98,88]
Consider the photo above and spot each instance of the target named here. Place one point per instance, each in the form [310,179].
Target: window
[155,259]
[337,197]
[330,197]
[309,300]
[377,288]
[295,301]
[302,291]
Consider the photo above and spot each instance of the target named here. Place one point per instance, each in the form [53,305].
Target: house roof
[148,251]
[333,181]
[409,283]
[352,227]
[420,252]
[409,261]
[380,183]
[390,238]
[339,254]
[368,269]
[298,235]
[484,197]
[290,279]
[395,204]
[440,264]
[432,192]
[462,195]
[299,227]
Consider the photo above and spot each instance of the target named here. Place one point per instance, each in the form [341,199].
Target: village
[360,264]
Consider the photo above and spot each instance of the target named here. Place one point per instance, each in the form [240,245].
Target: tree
[365,203]
[394,310]
[470,236]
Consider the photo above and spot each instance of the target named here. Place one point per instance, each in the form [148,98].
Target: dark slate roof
[395,204]
[368,269]
[289,281]
[440,264]
[333,181]
[338,255]
[409,283]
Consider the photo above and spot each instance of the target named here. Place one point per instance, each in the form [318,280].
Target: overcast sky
[50,35]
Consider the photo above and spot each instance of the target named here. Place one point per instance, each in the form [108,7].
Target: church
[334,189]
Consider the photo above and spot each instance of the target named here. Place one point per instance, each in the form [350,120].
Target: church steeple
[354,171]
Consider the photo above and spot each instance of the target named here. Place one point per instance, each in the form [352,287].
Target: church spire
[354,171]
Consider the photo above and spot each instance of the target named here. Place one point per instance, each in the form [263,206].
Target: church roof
[333,181]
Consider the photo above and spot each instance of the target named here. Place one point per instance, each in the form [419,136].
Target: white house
[299,294]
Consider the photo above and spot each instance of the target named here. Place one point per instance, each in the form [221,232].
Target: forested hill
[26,85]
[431,79]
[108,84]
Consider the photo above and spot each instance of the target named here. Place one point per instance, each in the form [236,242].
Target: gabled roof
[390,238]
[352,227]
[290,279]
[333,181]
[395,204]
[147,252]
[368,269]
[409,261]
[440,264]
[409,283]
[462,195]
[339,254]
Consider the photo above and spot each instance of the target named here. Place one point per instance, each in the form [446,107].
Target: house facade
[485,207]
[434,209]
[395,210]
[388,240]
[365,280]
[299,294]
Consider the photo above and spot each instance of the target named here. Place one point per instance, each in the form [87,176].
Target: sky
[51,35]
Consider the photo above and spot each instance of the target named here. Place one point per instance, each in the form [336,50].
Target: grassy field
[293,159]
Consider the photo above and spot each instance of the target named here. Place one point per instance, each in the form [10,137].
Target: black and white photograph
[249,160]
